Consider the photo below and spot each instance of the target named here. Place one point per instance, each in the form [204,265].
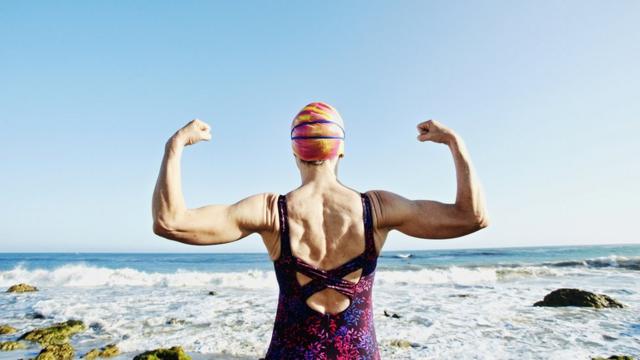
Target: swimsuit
[300,332]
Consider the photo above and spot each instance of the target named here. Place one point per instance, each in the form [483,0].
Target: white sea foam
[141,310]
[91,276]
[79,275]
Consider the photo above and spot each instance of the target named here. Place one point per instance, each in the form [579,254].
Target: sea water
[463,304]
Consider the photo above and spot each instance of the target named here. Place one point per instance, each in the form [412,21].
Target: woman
[324,238]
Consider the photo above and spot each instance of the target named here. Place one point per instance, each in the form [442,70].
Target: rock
[36,315]
[12,345]
[56,352]
[212,293]
[401,343]
[576,297]
[22,288]
[174,321]
[92,354]
[56,334]
[6,329]
[461,295]
[108,351]
[174,353]
[392,315]
[614,357]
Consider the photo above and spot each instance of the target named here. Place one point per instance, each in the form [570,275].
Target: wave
[80,275]
[613,261]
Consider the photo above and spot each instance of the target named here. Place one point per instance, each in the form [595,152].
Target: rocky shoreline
[54,340]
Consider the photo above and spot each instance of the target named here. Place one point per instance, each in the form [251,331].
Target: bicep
[425,219]
[219,224]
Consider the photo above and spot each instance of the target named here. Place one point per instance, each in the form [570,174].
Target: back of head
[317,133]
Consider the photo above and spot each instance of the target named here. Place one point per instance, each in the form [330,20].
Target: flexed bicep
[219,224]
[426,219]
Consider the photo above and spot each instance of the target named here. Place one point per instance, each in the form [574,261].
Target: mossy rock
[577,297]
[108,351]
[6,329]
[614,357]
[12,345]
[56,352]
[56,334]
[22,288]
[401,343]
[174,353]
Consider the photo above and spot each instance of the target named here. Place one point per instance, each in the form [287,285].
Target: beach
[463,304]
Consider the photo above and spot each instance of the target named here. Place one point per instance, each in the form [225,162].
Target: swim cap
[317,132]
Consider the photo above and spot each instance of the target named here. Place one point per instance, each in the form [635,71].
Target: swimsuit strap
[367,216]
[285,246]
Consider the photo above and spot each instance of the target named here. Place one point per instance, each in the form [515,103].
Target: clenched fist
[195,131]
[434,131]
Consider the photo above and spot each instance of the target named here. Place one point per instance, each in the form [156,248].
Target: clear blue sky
[546,95]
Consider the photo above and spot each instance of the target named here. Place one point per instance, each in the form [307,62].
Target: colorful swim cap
[317,132]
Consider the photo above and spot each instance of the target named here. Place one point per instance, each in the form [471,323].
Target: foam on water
[81,275]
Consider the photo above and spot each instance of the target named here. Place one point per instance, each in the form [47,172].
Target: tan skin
[325,216]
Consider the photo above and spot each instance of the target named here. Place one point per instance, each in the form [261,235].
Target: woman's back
[325,270]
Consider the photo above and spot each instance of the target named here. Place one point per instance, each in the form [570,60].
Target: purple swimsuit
[299,332]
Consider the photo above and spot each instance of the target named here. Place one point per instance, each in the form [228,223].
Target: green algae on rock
[56,352]
[614,357]
[12,345]
[577,297]
[55,334]
[174,353]
[108,351]
[6,329]
[22,288]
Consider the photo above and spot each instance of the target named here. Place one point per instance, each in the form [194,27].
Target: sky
[545,94]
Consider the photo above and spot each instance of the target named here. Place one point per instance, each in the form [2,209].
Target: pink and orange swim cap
[317,132]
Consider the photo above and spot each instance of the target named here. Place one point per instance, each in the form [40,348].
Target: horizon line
[265,252]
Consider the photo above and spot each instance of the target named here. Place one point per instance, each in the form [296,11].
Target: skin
[325,216]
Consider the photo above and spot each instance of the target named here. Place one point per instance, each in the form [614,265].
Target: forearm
[168,202]
[469,197]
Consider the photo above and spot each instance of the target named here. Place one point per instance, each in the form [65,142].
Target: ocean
[463,304]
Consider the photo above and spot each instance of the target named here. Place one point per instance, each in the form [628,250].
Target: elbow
[480,221]
[163,229]
[475,222]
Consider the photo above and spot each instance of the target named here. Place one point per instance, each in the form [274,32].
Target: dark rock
[56,334]
[36,315]
[212,293]
[174,321]
[174,353]
[56,352]
[614,357]
[108,351]
[22,288]
[461,295]
[577,297]
[12,345]
[6,329]
[392,315]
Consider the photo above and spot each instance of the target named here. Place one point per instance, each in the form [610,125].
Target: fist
[195,131]
[434,131]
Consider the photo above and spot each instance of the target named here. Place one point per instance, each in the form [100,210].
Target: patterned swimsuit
[300,332]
